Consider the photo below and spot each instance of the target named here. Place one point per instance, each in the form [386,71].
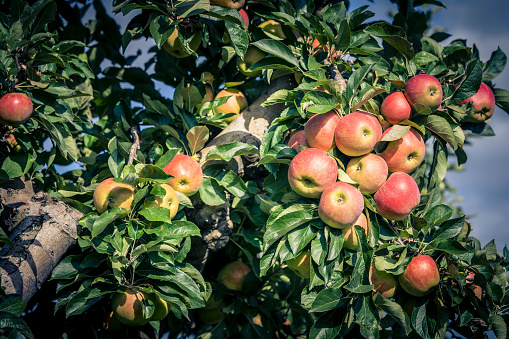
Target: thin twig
[398,240]
[135,132]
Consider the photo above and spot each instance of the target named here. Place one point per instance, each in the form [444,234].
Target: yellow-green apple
[235,104]
[301,264]
[320,130]
[232,275]
[15,108]
[108,191]
[395,108]
[420,276]
[397,197]
[406,153]
[484,104]
[161,310]
[229,3]
[187,174]
[475,288]
[424,89]
[384,283]
[173,46]
[212,313]
[251,57]
[357,133]
[311,172]
[169,201]
[209,96]
[128,307]
[297,140]
[351,241]
[340,205]
[245,17]
[369,171]
[273,29]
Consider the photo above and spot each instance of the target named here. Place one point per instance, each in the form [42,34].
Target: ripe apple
[384,283]
[369,171]
[169,201]
[212,313]
[297,140]
[237,4]
[424,89]
[320,130]
[128,309]
[245,17]
[301,264]
[251,57]
[107,191]
[475,288]
[161,310]
[209,96]
[341,204]
[311,172]
[420,276]
[232,275]
[395,108]
[406,153]
[397,197]
[357,133]
[173,46]
[235,104]
[484,104]
[273,29]
[15,108]
[187,174]
[351,240]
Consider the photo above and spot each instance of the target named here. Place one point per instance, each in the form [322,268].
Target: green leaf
[355,80]
[154,174]
[211,193]
[15,166]
[235,185]
[472,82]
[227,151]
[393,310]
[495,65]
[394,36]
[438,214]
[239,38]
[499,326]
[161,29]
[439,126]
[187,8]
[4,237]
[366,316]
[156,214]
[502,99]
[107,218]
[327,326]
[328,299]
[197,137]
[450,246]
[177,230]
[449,229]
[277,49]
[11,321]
[12,303]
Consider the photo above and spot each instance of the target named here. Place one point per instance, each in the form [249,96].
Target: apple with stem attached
[236,104]
[395,108]
[341,204]
[187,173]
[357,133]
[170,200]
[121,195]
[351,241]
[369,171]
[301,264]
[384,283]
[297,140]
[15,108]
[397,197]
[406,153]
[424,89]
[420,276]
[174,46]
[251,57]
[128,307]
[484,104]
[311,172]
[320,130]
[232,275]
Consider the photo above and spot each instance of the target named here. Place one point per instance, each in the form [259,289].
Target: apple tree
[259,168]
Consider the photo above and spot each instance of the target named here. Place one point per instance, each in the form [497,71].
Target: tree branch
[135,132]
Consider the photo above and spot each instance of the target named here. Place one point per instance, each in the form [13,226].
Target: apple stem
[135,132]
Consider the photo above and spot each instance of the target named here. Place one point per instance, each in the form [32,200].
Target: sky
[484,183]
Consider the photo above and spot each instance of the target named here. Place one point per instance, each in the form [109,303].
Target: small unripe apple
[107,191]
[384,283]
[15,108]
[357,133]
[173,46]
[369,171]
[351,241]
[340,205]
[484,104]
[187,173]
[128,309]
[420,276]
[297,140]
[251,57]
[397,197]
[424,89]
[169,201]
[406,153]
[232,275]
[237,4]
[395,108]
[320,130]
[311,172]
[272,29]
[301,264]
[236,104]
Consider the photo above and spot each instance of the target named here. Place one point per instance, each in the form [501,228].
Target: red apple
[15,108]
[320,129]
[128,309]
[420,276]
[232,275]
[301,264]
[424,89]
[369,170]
[107,191]
[357,133]
[395,108]
[484,104]
[311,172]
[297,140]
[169,201]
[384,283]
[187,173]
[349,234]
[406,153]
[397,197]
[235,104]
[245,17]
[340,205]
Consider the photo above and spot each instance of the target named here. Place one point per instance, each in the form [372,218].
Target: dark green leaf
[277,49]
[495,65]
[211,193]
[394,36]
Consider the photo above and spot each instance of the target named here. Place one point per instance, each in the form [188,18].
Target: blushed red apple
[15,108]
[397,197]
[340,205]
[128,309]
[484,104]
[395,108]
[232,275]
[424,89]
[169,201]
[420,276]
[107,191]
[320,130]
[187,173]
[384,283]
[406,153]
[369,171]
[297,140]
[357,133]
